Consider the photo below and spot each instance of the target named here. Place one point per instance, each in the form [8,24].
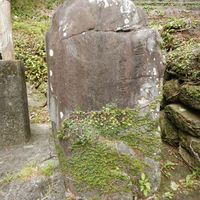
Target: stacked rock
[180,110]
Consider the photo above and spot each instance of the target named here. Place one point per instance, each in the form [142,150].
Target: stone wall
[14,118]
[180,115]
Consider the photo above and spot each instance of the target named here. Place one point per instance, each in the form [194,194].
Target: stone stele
[101,52]
[14,118]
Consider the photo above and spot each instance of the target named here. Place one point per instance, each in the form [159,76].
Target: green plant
[174,25]
[191,178]
[28,171]
[8,178]
[168,195]
[88,150]
[30,23]
[145,186]
[167,167]
[48,170]
[30,50]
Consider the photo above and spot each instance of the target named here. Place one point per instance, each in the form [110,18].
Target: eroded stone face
[101,52]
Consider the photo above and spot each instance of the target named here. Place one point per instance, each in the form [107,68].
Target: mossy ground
[91,138]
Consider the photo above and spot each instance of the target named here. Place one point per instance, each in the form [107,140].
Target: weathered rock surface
[14,119]
[188,158]
[192,144]
[190,96]
[40,188]
[181,99]
[101,52]
[169,132]
[171,91]
[186,120]
[36,99]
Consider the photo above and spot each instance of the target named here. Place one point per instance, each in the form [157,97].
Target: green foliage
[191,178]
[50,4]
[114,123]
[30,50]
[98,166]
[28,7]
[8,178]
[48,170]
[145,186]
[30,22]
[90,140]
[32,8]
[168,167]
[28,171]
[173,25]
[168,195]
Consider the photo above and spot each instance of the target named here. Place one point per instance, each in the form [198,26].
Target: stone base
[14,118]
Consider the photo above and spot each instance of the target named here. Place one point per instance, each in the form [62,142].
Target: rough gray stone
[14,119]
[36,99]
[38,188]
[152,166]
[169,133]
[192,144]
[171,91]
[188,158]
[101,52]
[185,119]
[39,153]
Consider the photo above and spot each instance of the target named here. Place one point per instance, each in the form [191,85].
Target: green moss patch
[190,96]
[101,167]
[90,152]
[184,62]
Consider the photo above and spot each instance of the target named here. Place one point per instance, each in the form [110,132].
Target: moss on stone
[190,96]
[184,119]
[98,166]
[171,91]
[93,161]
[62,158]
[169,132]
[184,63]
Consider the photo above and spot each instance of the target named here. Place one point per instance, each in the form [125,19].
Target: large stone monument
[14,119]
[101,52]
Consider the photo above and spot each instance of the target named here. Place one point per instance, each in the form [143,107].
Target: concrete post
[14,118]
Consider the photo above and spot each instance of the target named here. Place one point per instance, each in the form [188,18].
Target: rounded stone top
[78,16]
